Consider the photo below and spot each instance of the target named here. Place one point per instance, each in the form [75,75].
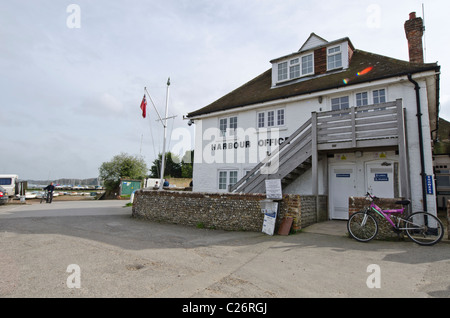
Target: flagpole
[156,109]
[165,136]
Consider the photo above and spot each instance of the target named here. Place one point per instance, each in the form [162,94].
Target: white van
[8,182]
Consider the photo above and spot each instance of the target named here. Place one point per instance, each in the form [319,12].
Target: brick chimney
[414,32]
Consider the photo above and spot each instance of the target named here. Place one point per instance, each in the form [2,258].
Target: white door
[380,179]
[342,186]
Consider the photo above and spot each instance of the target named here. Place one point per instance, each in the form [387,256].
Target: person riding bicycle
[50,188]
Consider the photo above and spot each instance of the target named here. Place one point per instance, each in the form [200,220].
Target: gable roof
[313,41]
[259,90]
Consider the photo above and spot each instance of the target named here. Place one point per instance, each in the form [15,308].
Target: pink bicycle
[421,227]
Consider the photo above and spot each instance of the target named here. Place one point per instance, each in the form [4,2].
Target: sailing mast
[163,159]
[164,123]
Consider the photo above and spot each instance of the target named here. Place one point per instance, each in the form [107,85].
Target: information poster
[270,216]
[273,189]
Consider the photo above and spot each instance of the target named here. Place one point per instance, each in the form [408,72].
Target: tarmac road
[51,250]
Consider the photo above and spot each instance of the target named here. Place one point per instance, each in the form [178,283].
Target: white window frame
[294,68]
[384,96]
[334,54]
[366,99]
[223,125]
[371,97]
[230,124]
[271,118]
[312,64]
[280,117]
[295,64]
[261,119]
[283,71]
[379,102]
[340,102]
[233,125]
[279,114]
[229,174]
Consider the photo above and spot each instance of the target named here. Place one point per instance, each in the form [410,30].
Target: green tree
[172,167]
[187,164]
[122,166]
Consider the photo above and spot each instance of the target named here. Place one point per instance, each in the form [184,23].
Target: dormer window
[334,57]
[307,65]
[296,67]
[316,57]
[282,71]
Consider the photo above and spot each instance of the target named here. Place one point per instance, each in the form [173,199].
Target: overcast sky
[72,77]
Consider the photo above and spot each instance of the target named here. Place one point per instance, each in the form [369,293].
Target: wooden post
[353,128]
[314,154]
[315,162]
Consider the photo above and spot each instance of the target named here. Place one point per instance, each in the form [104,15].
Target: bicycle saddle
[403,202]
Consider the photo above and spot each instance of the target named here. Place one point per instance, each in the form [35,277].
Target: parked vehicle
[8,182]
[3,196]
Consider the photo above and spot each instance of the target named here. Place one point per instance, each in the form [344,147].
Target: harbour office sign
[240,146]
[247,144]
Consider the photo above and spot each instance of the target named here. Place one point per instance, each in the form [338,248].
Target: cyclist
[50,188]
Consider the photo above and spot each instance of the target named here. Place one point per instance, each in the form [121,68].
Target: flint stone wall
[224,211]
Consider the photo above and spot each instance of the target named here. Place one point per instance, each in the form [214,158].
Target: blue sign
[343,175]
[429,184]
[381,177]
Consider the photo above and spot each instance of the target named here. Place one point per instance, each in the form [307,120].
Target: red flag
[144,107]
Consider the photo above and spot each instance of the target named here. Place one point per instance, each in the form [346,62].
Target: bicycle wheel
[362,226]
[424,228]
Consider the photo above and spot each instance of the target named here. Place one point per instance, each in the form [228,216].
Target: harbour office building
[329,119]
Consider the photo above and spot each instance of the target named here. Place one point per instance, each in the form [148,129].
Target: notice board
[270,217]
[273,189]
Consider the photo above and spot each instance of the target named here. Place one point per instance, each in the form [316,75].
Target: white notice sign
[273,189]
[269,221]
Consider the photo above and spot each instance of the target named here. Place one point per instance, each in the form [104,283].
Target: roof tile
[259,90]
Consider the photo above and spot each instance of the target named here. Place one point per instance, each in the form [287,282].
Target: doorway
[342,186]
[382,179]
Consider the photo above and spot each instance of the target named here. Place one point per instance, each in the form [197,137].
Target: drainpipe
[422,157]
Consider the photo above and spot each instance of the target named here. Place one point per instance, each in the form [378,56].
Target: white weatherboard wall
[297,110]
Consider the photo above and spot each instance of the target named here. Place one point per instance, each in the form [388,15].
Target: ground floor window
[227,178]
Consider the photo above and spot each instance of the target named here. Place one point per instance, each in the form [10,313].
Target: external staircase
[356,128]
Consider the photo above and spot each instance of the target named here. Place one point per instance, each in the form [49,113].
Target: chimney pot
[412,15]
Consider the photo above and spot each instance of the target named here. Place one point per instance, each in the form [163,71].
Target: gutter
[422,157]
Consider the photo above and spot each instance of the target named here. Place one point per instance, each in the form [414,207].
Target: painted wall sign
[248,144]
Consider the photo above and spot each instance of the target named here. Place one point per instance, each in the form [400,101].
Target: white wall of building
[297,110]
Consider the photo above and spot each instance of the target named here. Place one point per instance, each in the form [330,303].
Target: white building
[327,120]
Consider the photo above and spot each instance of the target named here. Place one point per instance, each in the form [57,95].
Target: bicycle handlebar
[371,196]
